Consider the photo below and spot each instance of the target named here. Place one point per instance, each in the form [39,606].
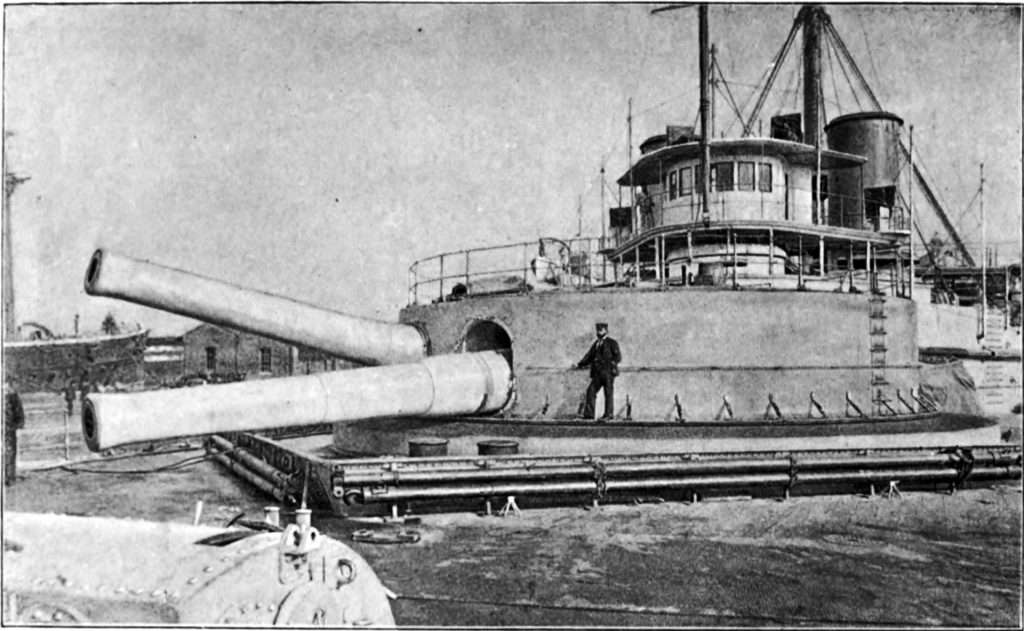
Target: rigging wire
[760,80]
[776,64]
[867,44]
[853,89]
[790,81]
[920,173]
[831,29]
[832,73]
[799,82]
[728,95]
[926,243]
[779,90]
[962,214]
[920,165]
[821,100]
[650,108]
[749,85]
[610,191]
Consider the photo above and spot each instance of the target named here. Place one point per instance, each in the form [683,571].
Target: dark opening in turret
[487,335]
[89,423]
[93,271]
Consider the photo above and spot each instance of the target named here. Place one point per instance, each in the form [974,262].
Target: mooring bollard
[272,515]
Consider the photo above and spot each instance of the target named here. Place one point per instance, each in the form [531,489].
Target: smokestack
[813,17]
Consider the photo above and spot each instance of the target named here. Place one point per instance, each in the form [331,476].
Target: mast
[813,17]
[11,182]
[713,81]
[9,328]
[579,215]
[705,147]
[984,250]
[629,149]
[910,211]
[604,232]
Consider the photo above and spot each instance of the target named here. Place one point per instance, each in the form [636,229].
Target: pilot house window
[685,181]
[265,361]
[764,182]
[673,187]
[745,176]
[722,176]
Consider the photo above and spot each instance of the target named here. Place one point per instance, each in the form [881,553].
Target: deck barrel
[428,447]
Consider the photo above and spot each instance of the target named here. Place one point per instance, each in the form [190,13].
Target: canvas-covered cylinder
[104,572]
[358,339]
[442,385]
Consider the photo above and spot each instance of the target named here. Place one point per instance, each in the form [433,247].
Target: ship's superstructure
[752,274]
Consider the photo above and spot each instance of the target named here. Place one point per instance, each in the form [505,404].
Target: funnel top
[845,118]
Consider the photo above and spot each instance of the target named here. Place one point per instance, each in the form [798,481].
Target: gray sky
[315,151]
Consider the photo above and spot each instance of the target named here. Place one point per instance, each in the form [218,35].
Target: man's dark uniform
[14,419]
[603,359]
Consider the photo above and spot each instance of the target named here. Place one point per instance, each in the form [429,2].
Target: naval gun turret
[736,371]
[401,381]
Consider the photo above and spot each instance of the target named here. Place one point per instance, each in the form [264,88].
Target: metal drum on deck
[427,447]
[497,447]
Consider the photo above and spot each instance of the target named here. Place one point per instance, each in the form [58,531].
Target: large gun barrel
[358,339]
[442,385]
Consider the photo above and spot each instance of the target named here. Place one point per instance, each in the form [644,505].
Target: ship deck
[923,558]
[919,558]
[563,436]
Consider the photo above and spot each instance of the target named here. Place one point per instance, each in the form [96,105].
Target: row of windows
[725,176]
[211,359]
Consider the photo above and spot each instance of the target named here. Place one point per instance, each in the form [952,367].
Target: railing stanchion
[440,280]
[526,264]
[414,271]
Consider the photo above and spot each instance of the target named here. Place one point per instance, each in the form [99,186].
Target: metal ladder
[995,329]
[876,339]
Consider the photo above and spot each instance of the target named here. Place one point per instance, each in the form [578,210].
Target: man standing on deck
[603,359]
[14,419]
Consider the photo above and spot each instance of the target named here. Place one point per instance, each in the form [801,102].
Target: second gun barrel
[361,340]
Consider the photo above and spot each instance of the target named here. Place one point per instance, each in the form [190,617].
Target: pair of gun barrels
[399,378]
